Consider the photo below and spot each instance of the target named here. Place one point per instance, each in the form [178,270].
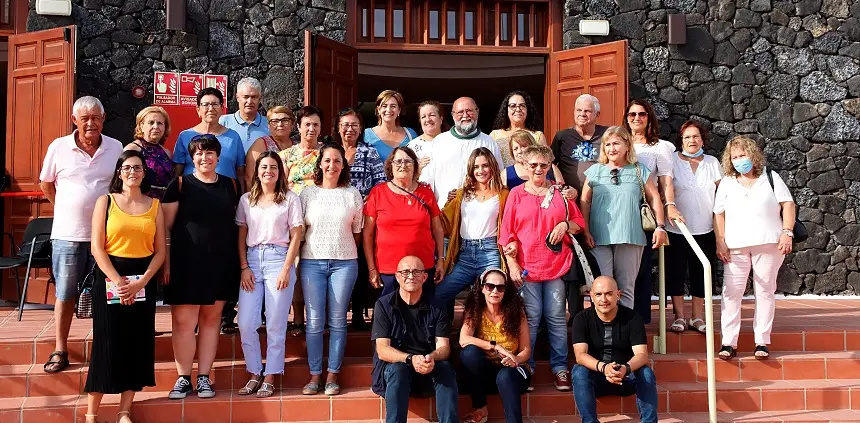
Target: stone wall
[121,43]
[784,72]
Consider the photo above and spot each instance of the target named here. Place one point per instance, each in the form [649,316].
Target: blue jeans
[546,300]
[401,380]
[390,284]
[481,375]
[589,385]
[70,263]
[332,281]
[476,256]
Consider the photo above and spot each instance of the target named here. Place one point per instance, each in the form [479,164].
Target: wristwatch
[493,345]
[629,370]
[788,232]
[409,361]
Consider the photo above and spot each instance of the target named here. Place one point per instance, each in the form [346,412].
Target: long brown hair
[343,178]
[280,183]
[470,184]
[512,306]
[652,131]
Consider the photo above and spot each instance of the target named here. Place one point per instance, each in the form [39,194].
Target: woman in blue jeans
[471,221]
[329,265]
[496,346]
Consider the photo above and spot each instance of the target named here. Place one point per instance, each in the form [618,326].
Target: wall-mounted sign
[180,89]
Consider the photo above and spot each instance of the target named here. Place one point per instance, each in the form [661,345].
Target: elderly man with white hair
[576,149]
[77,170]
[247,121]
[450,151]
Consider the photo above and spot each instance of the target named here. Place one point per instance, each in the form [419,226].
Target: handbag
[581,273]
[84,305]
[649,221]
[800,231]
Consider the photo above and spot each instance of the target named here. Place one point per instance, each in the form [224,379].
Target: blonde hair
[539,150]
[749,146]
[281,109]
[382,98]
[523,138]
[138,133]
[622,133]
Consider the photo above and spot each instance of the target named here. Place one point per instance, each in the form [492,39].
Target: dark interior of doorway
[418,85]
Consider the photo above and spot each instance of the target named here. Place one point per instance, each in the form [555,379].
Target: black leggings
[680,257]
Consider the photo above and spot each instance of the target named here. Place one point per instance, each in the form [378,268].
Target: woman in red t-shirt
[401,218]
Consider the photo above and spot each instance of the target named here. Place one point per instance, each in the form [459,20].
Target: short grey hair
[249,82]
[593,99]
[87,102]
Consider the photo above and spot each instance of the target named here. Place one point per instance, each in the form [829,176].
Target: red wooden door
[599,70]
[331,77]
[41,91]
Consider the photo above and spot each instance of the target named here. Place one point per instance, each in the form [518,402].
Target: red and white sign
[189,85]
[166,90]
[216,81]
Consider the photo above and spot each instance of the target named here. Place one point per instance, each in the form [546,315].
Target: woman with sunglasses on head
[656,155]
[610,202]
[129,247]
[535,236]
[329,265]
[281,121]
[401,218]
[202,269]
[471,221]
[366,171]
[496,346]
[269,218]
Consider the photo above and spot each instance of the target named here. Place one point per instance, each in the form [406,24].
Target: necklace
[538,191]
[409,194]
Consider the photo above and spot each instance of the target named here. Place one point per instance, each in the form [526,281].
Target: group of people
[243,212]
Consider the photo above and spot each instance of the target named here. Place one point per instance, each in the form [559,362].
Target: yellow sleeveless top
[130,236]
[493,332]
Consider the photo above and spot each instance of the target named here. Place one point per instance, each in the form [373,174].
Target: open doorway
[444,78]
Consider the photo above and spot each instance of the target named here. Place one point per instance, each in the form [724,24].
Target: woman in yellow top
[129,247]
[496,346]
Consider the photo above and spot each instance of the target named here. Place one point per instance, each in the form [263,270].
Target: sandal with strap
[119,415]
[678,326]
[59,365]
[698,325]
[266,390]
[312,388]
[251,386]
[732,352]
[91,418]
[476,417]
[761,349]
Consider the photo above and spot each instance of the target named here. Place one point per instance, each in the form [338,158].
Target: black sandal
[229,328]
[59,365]
[295,329]
[727,348]
[761,348]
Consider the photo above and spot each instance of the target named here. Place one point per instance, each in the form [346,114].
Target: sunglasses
[632,115]
[539,165]
[490,287]
[614,176]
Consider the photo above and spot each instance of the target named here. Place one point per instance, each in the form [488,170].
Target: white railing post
[660,339]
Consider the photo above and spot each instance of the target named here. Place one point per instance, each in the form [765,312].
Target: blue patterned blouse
[366,170]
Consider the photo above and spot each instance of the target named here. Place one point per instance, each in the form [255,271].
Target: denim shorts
[70,262]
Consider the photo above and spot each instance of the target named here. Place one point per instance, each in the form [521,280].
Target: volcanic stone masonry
[785,72]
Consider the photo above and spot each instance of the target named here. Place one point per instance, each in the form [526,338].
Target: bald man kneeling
[611,355]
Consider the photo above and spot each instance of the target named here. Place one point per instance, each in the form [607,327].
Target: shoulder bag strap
[641,183]
[411,194]
[579,253]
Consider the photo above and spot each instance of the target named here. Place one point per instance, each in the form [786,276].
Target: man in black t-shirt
[412,348]
[577,148]
[611,355]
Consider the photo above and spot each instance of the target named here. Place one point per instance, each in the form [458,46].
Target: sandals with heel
[732,352]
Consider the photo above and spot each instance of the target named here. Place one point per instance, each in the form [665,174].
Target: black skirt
[123,353]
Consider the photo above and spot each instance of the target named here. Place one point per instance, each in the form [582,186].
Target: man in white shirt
[77,170]
[450,150]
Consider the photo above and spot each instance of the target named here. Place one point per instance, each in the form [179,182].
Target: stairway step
[785,395]
[745,367]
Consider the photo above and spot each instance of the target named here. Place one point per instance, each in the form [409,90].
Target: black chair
[34,253]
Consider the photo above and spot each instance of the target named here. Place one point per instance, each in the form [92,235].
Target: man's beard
[466,128]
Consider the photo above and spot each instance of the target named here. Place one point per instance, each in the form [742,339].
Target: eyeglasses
[490,287]
[632,115]
[614,177]
[414,273]
[284,121]
[514,106]
[402,162]
[353,125]
[130,169]
[469,112]
[539,165]
[208,105]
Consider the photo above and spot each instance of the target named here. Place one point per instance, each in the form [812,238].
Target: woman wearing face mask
[430,115]
[388,134]
[656,155]
[695,177]
[281,121]
[751,235]
[152,130]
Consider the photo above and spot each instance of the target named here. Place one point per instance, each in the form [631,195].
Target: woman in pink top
[535,219]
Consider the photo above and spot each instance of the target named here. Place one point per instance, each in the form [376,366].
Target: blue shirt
[231,155]
[615,217]
[382,148]
[248,132]
[514,180]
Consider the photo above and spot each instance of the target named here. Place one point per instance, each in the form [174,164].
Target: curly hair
[512,306]
[752,150]
[533,119]
[343,178]
[652,131]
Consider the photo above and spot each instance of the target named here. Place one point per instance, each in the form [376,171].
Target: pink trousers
[764,260]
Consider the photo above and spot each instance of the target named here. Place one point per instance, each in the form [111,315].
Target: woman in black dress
[202,269]
[128,245]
